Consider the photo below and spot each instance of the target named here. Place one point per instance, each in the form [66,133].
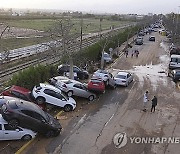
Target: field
[90,25]
[26,28]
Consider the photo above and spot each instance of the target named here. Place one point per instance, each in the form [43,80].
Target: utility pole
[102,54]
[81,32]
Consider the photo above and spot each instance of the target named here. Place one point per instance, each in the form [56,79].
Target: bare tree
[65,34]
[4,52]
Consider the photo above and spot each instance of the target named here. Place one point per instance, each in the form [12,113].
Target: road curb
[29,142]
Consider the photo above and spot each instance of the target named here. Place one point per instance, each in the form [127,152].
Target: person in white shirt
[145,100]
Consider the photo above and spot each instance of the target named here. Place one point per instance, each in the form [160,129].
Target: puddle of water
[156,74]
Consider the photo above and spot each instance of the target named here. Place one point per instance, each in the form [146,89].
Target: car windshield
[121,76]
[174,60]
[95,81]
[64,95]
[45,115]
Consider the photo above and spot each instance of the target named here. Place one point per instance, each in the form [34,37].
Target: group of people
[145,101]
[133,53]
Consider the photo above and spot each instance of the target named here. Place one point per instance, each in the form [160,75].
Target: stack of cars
[24,111]
[22,93]
[44,93]
[21,115]
[73,87]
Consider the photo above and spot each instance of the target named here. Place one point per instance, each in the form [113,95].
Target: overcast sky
[102,6]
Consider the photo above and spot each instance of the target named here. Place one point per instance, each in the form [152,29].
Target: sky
[99,6]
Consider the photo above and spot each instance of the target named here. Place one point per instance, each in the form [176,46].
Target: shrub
[33,76]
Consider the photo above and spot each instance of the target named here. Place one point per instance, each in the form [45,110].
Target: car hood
[54,122]
[72,101]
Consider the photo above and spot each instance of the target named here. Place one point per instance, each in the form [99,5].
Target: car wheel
[40,100]
[26,137]
[13,123]
[68,108]
[91,98]
[70,93]
[49,133]
[56,133]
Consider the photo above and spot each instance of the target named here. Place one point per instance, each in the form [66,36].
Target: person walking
[154,103]
[126,53]
[132,54]
[137,53]
[145,100]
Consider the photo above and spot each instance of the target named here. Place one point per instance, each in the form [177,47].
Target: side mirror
[43,121]
[17,130]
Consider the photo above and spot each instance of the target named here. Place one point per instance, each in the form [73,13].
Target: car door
[41,123]
[80,90]
[129,78]
[11,133]
[54,98]
[28,119]
[1,132]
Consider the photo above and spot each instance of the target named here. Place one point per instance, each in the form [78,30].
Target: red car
[22,93]
[96,85]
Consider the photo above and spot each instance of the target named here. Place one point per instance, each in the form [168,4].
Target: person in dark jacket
[154,103]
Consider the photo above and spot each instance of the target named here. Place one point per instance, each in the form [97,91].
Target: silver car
[76,88]
[106,77]
[123,78]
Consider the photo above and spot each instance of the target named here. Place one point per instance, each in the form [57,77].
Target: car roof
[122,73]
[43,85]
[101,71]
[20,89]
[2,121]
[60,78]
[72,81]
[176,70]
[22,104]
[175,56]
[67,65]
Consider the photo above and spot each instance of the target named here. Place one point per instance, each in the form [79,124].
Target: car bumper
[119,83]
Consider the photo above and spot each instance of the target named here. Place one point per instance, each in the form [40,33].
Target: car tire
[40,100]
[50,133]
[68,108]
[13,123]
[26,137]
[91,98]
[70,93]
[56,133]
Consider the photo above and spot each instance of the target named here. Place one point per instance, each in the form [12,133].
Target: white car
[73,87]
[53,80]
[123,78]
[9,133]
[107,58]
[106,77]
[52,95]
